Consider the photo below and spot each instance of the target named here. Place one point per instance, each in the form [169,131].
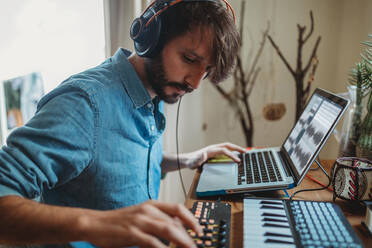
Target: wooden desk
[353,212]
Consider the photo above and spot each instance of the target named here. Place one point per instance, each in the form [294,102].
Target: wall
[191,137]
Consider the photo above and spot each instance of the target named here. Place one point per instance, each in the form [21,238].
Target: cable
[318,182]
[306,190]
[178,159]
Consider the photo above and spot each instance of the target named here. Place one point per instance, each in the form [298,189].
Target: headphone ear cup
[146,38]
[136,29]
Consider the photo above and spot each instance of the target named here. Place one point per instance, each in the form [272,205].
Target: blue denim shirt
[94,142]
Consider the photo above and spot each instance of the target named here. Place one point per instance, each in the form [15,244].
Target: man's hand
[140,225]
[197,158]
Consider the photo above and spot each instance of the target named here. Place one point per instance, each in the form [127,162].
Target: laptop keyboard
[258,167]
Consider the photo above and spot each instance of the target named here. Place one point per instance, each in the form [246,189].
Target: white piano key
[257,229]
[249,244]
[257,211]
[254,229]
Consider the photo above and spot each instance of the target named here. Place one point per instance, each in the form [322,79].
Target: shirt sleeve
[54,147]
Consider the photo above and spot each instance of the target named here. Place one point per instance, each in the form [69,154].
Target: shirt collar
[132,83]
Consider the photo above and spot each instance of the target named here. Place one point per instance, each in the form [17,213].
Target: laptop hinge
[287,167]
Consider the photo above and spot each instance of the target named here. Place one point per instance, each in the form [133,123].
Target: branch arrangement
[299,74]
[244,80]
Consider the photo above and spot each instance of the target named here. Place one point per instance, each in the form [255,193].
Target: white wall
[190,137]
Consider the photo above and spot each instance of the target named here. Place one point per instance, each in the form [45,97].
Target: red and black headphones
[145,30]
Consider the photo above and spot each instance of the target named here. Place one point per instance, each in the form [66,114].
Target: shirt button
[149,105]
[152,127]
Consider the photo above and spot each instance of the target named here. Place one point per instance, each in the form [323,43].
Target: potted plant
[361,75]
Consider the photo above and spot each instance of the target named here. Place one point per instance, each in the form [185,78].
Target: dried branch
[241,24]
[244,80]
[314,63]
[222,92]
[280,54]
[300,43]
[313,54]
[239,67]
[258,54]
[300,72]
[311,27]
[249,91]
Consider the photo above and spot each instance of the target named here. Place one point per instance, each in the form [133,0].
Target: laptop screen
[313,127]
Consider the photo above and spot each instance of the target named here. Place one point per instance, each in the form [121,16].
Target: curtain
[119,15]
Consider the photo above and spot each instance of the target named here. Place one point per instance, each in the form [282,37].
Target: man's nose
[195,78]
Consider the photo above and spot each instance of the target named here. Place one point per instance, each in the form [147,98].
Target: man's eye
[188,59]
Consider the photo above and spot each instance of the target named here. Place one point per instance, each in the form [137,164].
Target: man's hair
[205,15]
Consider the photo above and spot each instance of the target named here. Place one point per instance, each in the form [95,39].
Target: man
[92,154]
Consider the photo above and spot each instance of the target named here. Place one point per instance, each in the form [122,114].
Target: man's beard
[157,80]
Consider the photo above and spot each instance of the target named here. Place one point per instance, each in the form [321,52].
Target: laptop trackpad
[220,168]
[217,176]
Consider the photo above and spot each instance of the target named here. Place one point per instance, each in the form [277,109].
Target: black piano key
[277,235]
[278,241]
[271,202]
[271,207]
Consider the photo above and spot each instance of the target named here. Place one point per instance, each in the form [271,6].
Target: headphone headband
[168,4]
[145,30]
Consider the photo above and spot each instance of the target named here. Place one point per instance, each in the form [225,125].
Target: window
[56,38]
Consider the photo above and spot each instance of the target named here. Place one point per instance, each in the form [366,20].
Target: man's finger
[174,232]
[230,154]
[180,211]
[222,150]
[145,240]
[152,210]
[234,147]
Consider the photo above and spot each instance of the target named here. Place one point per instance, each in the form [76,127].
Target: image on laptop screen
[312,127]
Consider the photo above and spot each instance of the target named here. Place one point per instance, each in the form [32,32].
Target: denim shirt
[94,142]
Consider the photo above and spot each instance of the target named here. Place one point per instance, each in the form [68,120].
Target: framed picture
[18,101]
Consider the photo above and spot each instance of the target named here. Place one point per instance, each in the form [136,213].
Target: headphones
[145,30]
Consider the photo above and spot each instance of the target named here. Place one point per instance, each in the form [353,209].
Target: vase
[364,145]
[350,131]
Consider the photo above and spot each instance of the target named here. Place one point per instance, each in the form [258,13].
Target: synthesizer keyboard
[283,223]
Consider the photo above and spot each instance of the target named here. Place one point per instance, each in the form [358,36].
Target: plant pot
[352,179]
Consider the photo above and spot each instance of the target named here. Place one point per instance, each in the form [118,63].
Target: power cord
[178,159]
[325,187]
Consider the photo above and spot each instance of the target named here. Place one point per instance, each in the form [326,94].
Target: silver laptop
[278,167]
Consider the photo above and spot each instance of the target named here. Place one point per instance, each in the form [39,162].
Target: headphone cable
[178,159]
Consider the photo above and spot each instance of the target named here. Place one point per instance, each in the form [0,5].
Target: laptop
[278,167]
